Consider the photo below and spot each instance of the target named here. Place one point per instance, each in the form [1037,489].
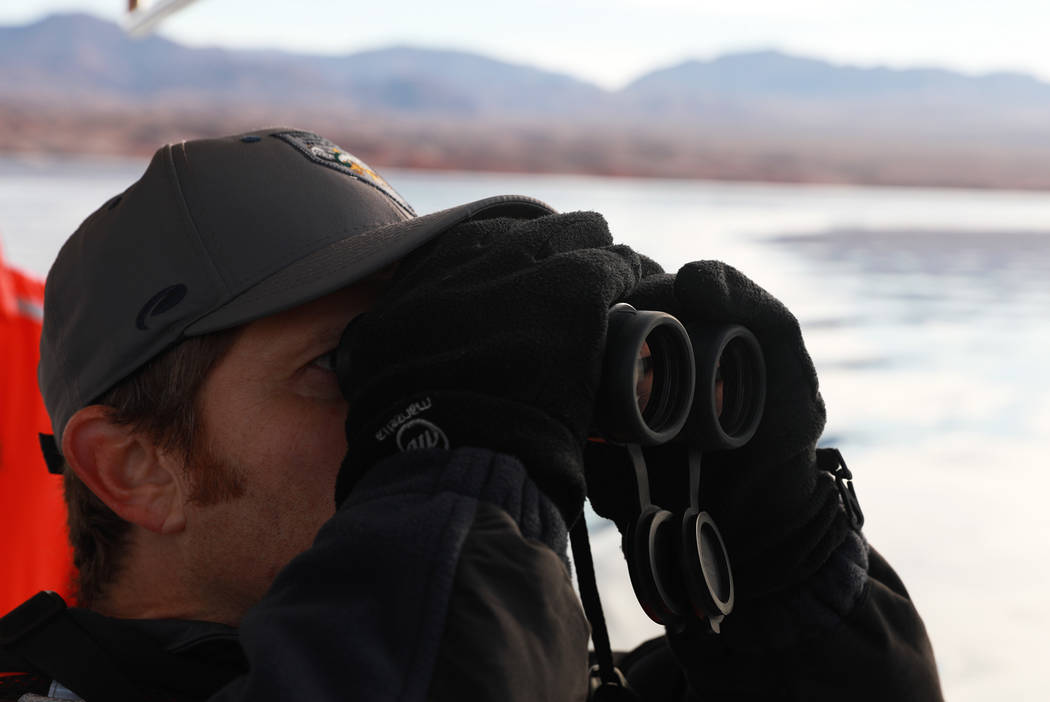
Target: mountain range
[777,115]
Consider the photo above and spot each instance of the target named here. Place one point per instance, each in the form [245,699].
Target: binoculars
[703,386]
[662,382]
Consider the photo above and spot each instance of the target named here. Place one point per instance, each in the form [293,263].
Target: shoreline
[137,156]
[716,153]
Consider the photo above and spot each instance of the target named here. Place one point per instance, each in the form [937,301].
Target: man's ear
[125,470]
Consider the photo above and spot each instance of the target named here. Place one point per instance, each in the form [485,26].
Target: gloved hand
[779,516]
[491,336]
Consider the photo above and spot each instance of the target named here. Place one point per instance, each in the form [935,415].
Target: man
[261,323]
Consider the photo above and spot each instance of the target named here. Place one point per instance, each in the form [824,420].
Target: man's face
[271,413]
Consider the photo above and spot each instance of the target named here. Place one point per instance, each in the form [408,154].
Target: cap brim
[354,258]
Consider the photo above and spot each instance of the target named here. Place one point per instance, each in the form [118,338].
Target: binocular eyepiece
[661,382]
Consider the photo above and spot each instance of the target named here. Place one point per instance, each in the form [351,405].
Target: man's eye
[325,361]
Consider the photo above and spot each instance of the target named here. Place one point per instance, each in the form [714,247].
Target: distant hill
[73,82]
[69,55]
[418,80]
[772,87]
[80,56]
[772,74]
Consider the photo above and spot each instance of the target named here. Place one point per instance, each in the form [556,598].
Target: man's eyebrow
[303,345]
[327,338]
[331,333]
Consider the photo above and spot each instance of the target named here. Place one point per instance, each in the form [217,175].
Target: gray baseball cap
[216,233]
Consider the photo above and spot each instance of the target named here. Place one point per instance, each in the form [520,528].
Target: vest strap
[41,632]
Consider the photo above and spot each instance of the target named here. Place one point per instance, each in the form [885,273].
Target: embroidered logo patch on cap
[322,151]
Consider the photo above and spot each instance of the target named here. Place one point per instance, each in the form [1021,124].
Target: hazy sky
[613,41]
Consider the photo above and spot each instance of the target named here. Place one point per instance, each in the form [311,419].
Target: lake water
[926,315]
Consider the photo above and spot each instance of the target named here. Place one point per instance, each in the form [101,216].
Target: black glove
[779,515]
[491,336]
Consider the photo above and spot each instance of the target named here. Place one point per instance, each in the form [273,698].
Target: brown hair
[160,400]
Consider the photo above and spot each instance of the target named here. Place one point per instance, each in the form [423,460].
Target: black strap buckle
[830,460]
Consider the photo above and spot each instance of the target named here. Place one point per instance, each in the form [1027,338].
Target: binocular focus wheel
[705,565]
[650,546]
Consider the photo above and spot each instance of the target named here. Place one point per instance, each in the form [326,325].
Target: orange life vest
[34,548]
